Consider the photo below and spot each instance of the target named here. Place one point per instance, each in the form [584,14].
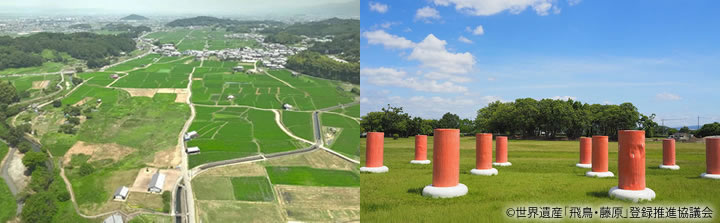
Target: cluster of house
[167,49]
[324,39]
[246,36]
[272,55]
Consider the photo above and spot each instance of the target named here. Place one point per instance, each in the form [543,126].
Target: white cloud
[364,100]
[431,53]
[477,31]
[491,7]
[383,76]
[387,25]
[464,40]
[573,2]
[378,7]
[564,98]
[491,78]
[426,13]
[408,29]
[667,97]
[387,40]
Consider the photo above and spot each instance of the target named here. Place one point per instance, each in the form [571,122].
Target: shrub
[396,136]
[57,103]
[86,169]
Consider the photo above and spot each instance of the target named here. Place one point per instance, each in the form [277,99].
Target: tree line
[524,117]
[315,64]
[94,48]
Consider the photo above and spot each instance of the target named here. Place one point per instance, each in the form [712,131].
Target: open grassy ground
[543,173]
[347,142]
[353,110]
[233,132]
[46,67]
[26,84]
[140,62]
[148,218]
[252,189]
[299,123]
[99,79]
[299,175]
[232,211]
[7,201]
[165,75]
[171,36]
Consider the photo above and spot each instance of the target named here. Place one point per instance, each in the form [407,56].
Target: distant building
[681,136]
[238,68]
[230,97]
[121,194]
[115,218]
[287,106]
[190,135]
[156,183]
[114,76]
[192,150]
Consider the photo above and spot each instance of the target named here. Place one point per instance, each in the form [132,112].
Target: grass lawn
[347,142]
[353,110]
[299,123]
[299,175]
[543,173]
[7,201]
[252,189]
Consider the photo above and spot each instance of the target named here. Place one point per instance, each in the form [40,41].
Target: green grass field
[213,188]
[165,75]
[148,218]
[232,132]
[172,36]
[140,62]
[347,142]
[543,173]
[353,110]
[306,176]
[46,67]
[299,123]
[7,201]
[252,189]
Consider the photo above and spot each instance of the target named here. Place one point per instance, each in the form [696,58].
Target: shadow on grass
[694,178]
[375,207]
[654,167]
[417,190]
[598,194]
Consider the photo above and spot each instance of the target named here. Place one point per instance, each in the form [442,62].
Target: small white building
[121,194]
[190,135]
[192,150]
[230,97]
[287,106]
[157,183]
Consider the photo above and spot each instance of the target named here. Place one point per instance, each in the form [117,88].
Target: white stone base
[502,164]
[710,176]
[632,195]
[381,169]
[584,165]
[670,167]
[599,174]
[484,172]
[420,161]
[444,192]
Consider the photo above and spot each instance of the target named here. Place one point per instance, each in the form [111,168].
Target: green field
[7,201]
[172,36]
[543,173]
[231,211]
[306,176]
[233,132]
[252,189]
[47,67]
[23,85]
[347,142]
[140,62]
[100,79]
[149,218]
[212,188]
[299,123]
[353,110]
[159,75]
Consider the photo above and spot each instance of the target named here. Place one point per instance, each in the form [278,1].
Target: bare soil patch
[16,170]
[316,159]
[257,91]
[145,175]
[141,92]
[319,197]
[40,84]
[97,152]
[238,170]
[170,157]
[197,78]
[82,102]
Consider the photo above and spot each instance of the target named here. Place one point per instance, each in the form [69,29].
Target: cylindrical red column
[420,147]
[446,158]
[483,151]
[585,150]
[374,149]
[631,159]
[668,152]
[501,149]
[712,155]
[599,154]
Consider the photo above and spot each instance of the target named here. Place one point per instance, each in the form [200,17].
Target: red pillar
[712,155]
[631,159]
[599,154]
[483,151]
[501,149]
[668,152]
[446,158]
[585,150]
[374,149]
[420,147]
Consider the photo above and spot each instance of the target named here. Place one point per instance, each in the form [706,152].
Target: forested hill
[333,26]
[134,17]
[94,48]
[213,21]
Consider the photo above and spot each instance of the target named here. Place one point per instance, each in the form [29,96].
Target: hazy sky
[249,7]
[438,56]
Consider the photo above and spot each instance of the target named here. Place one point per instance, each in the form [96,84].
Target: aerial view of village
[138,111]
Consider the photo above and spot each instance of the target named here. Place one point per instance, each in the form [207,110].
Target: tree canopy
[315,64]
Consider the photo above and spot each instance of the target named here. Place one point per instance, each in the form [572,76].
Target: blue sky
[438,56]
